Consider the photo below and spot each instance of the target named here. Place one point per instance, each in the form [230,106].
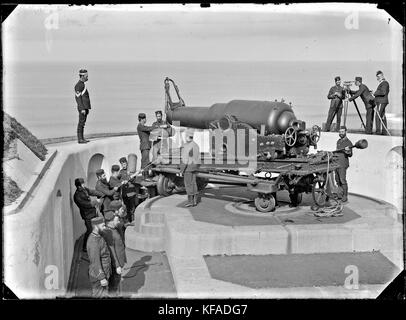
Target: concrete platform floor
[217,226]
[146,274]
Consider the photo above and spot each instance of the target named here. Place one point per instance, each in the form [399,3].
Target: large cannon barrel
[276,116]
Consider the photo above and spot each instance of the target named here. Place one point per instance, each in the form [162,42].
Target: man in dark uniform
[145,145]
[161,142]
[368,100]
[129,190]
[336,95]
[116,181]
[100,260]
[116,246]
[381,101]
[190,156]
[87,208]
[104,188]
[344,145]
[83,103]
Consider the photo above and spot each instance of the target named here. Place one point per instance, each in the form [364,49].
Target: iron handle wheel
[265,203]
[290,136]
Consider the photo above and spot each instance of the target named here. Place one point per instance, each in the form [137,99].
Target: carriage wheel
[265,203]
[319,194]
[165,185]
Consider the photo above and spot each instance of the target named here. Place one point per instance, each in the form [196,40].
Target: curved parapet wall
[39,239]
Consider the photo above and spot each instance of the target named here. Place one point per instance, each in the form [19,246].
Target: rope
[334,210]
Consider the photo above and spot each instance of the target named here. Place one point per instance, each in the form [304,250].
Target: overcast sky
[181,33]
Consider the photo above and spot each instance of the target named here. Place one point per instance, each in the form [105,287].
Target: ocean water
[41,95]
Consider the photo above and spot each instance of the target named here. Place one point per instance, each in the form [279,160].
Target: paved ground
[300,270]
[145,275]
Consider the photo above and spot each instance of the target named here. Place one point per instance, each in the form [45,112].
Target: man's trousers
[381,111]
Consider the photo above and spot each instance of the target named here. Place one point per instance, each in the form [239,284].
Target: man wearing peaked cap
[103,187]
[190,160]
[115,243]
[145,145]
[99,258]
[381,101]
[87,208]
[336,96]
[115,180]
[159,135]
[368,100]
[83,103]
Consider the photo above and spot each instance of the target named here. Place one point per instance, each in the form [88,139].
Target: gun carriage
[282,160]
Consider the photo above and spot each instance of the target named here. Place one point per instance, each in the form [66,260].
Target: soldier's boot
[189,201]
[195,200]
[82,134]
[345,193]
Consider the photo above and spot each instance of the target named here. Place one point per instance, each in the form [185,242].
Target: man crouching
[190,160]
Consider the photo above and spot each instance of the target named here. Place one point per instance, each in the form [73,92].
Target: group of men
[190,152]
[106,219]
[376,102]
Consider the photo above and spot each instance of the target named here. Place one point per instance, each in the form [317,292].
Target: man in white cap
[83,103]
[190,160]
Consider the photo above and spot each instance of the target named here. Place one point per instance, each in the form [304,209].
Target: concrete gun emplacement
[282,162]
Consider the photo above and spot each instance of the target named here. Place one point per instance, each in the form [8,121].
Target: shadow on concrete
[134,279]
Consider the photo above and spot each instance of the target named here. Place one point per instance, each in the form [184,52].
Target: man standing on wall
[100,260]
[381,101]
[368,100]
[87,208]
[83,103]
[344,152]
[336,95]
[145,145]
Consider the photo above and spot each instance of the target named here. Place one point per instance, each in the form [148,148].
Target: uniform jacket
[381,93]
[336,101]
[82,200]
[365,95]
[106,191]
[116,246]
[128,189]
[164,133]
[99,257]
[190,157]
[143,134]
[342,155]
[115,182]
[82,96]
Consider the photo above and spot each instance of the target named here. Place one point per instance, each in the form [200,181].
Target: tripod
[348,95]
[380,119]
